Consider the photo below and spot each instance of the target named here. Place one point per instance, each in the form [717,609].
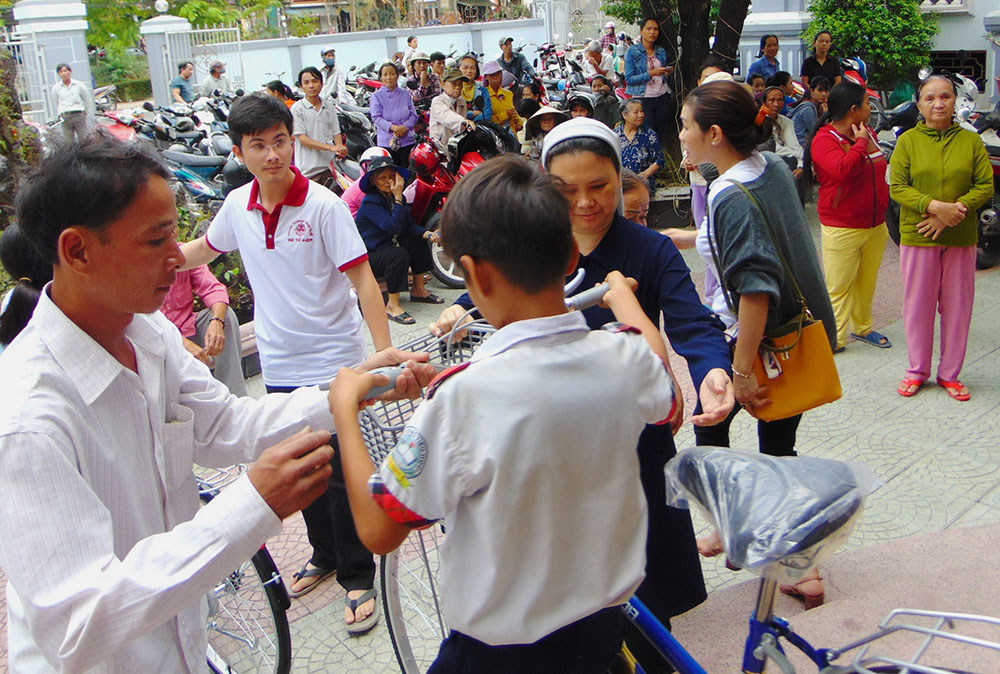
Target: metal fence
[30,82]
[203,46]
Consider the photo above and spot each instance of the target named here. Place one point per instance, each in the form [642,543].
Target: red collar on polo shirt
[296,196]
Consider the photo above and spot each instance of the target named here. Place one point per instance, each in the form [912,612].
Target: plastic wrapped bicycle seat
[777,516]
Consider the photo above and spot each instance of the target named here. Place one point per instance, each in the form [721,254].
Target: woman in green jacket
[940,177]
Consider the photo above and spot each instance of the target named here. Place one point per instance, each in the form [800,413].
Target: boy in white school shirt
[527,451]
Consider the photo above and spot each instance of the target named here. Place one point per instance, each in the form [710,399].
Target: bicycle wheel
[247,624]
[409,580]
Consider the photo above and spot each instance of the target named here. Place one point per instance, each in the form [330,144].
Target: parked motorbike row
[984,122]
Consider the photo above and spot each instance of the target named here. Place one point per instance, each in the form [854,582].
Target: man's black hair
[312,70]
[83,184]
[509,213]
[257,112]
[183,64]
[437,56]
[410,39]
[60,66]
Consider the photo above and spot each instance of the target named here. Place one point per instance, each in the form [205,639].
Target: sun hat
[374,166]
[419,56]
[491,67]
[534,122]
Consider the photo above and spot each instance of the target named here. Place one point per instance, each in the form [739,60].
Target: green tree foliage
[893,36]
[114,24]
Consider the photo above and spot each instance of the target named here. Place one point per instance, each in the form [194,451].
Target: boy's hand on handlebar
[447,320]
[293,473]
[622,290]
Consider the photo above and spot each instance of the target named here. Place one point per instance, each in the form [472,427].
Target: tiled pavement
[940,460]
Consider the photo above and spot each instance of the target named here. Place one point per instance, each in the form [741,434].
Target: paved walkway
[940,460]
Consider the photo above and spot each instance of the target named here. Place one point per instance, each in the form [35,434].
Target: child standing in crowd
[508,504]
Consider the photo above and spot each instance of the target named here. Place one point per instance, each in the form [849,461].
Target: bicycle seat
[768,509]
[186,159]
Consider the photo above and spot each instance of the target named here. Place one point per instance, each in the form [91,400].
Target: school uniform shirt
[541,497]
[108,555]
[306,318]
[320,124]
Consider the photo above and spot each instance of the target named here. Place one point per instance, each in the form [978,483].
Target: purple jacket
[393,107]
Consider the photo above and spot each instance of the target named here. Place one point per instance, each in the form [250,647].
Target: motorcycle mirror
[352,69]
[536,63]
[963,114]
[148,106]
[239,92]
[924,73]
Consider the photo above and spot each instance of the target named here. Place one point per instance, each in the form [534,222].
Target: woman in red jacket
[853,196]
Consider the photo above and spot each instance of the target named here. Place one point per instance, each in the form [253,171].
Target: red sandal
[908,382]
[954,389]
[809,589]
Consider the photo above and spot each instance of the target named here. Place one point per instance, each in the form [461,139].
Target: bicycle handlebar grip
[587,298]
[392,373]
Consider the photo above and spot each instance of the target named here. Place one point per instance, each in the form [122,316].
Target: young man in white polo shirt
[525,451]
[302,253]
[316,129]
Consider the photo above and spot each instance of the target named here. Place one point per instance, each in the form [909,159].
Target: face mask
[330,62]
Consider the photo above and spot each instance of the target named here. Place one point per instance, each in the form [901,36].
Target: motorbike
[364,82]
[105,98]
[437,171]
[856,70]
[988,252]
[172,128]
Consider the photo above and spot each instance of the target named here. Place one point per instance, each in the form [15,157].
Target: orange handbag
[795,360]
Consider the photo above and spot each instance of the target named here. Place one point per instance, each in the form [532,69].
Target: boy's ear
[72,248]
[478,275]
[238,151]
[574,260]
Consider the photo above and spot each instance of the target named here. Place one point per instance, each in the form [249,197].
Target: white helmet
[370,154]
[609,24]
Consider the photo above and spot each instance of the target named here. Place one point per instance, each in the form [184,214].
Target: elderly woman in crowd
[641,148]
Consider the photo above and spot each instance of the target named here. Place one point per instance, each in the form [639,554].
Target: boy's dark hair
[437,56]
[756,76]
[23,263]
[509,213]
[528,107]
[83,184]
[60,66]
[779,79]
[312,71]
[183,64]
[255,113]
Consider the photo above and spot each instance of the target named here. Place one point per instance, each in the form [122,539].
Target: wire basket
[381,423]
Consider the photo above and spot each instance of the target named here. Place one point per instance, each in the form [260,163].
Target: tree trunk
[19,145]
[729,27]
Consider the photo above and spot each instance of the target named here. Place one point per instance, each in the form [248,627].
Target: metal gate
[30,80]
[201,47]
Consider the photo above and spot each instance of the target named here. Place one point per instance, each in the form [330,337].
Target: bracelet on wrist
[742,374]
[222,321]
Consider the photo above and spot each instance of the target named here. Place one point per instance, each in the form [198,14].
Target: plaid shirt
[428,92]
[608,39]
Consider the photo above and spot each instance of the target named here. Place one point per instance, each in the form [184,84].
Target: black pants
[658,110]
[775,438]
[330,528]
[392,262]
[587,646]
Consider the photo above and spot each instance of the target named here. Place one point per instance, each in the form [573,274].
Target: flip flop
[954,389]
[429,298]
[362,626]
[316,572]
[873,338]
[904,387]
[809,589]
[840,349]
[403,318]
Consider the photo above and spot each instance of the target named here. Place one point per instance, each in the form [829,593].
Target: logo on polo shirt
[300,232]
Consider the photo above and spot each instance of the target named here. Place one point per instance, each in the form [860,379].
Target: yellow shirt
[503,101]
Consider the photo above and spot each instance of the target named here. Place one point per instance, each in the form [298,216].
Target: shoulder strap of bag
[777,246]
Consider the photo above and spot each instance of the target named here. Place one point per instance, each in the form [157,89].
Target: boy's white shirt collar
[555,329]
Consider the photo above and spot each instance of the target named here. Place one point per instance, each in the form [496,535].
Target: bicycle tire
[247,624]
[412,607]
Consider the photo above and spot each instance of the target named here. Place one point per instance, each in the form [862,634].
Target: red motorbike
[856,70]
[437,171]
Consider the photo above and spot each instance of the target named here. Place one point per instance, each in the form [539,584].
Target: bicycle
[247,622]
[409,575]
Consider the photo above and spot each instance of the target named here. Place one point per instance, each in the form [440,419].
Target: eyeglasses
[262,148]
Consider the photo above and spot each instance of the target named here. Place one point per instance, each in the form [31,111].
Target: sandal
[873,338]
[403,318]
[320,574]
[361,626]
[429,298]
[809,589]
[954,389]
[909,382]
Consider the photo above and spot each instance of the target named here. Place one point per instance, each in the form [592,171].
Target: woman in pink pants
[940,176]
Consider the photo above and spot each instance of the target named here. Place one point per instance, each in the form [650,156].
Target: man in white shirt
[334,79]
[316,129]
[102,415]
[412,43]
[597,62]
[74,102]
[216,80]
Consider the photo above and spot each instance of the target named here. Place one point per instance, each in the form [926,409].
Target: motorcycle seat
[193,159]
[189,135]
[355,108]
